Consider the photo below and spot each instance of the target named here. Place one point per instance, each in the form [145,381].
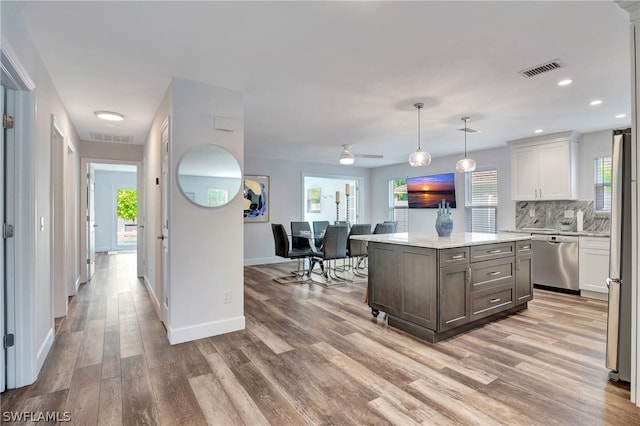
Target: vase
[444,225]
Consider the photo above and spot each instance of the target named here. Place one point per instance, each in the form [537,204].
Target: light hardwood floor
[315,355]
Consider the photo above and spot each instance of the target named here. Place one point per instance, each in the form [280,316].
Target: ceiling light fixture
[566,82]
[346,157]
[621,115]
[596,102]
[466,164]
[419,157]
[538,131]
[109,115]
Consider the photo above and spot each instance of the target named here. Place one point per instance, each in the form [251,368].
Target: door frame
[58,226]
[24,359]
[84,163]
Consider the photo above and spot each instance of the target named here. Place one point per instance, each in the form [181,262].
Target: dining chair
[357,249]
[297,242]
[334,247]
[383,228]
[282,249]
[319,227]
[394,223]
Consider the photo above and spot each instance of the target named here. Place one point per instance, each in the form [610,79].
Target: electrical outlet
[226,297]
[532,212]
[569,214]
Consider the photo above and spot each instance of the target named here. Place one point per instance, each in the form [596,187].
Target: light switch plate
[532,212]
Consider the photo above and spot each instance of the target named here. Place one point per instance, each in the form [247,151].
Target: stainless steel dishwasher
[555,261]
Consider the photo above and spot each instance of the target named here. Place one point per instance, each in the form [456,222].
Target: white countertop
[433,241]
[548,231]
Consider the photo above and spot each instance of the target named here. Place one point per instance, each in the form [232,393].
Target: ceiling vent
[470,130]
[106,137]
[539,69]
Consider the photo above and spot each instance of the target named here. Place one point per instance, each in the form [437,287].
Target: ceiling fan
[348,157]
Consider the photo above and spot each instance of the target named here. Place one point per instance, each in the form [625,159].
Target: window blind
[481,201]
[602,182]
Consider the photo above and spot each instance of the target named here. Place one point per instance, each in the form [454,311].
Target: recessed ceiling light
[596,102]
[621,115]
[565,82]
[109,115]
[538,131]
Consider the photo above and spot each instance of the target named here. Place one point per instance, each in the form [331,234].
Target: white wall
[205,244]
[107,182]
[423,220]
[34,283]
[287,199]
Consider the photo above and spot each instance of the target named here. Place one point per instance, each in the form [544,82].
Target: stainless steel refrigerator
[619,281]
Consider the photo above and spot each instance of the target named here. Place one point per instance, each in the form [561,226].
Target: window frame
[469,205]
[403,225]
[599,164]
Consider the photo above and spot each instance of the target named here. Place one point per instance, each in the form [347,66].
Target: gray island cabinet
[434,288]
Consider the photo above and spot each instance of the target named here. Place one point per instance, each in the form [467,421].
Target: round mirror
[209,175]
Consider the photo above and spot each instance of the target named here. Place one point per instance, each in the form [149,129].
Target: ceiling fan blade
[368,155]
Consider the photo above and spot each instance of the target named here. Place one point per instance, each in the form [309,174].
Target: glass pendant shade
[419,158]
[466,165]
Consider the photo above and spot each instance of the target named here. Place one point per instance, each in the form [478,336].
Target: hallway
[314,355]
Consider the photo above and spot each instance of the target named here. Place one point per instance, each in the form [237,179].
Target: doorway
[110,200]
[331,199]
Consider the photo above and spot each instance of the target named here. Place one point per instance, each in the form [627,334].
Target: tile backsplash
[549,214]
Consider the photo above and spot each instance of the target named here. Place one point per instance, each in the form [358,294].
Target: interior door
[164,232]
[91,222]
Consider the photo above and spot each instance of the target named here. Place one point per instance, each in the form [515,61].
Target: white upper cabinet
[544,167]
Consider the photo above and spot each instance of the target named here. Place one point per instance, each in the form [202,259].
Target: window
[217,197]
[602,182]
[399,204]
[481,201]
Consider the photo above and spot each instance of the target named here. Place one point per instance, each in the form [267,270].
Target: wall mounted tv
[426,192]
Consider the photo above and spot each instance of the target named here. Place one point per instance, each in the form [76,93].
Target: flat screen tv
[426,192]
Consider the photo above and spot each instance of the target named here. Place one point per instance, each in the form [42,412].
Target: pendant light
[466,164]
[419,157]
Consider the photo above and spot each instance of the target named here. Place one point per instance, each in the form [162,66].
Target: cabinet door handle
[469,275]
[518,265]
[457,256]
[494,251]
[496,300]
[493,274]
[535,193]
[540,192]
[525,248]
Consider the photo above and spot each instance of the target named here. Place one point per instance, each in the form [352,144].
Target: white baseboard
[265,260]
[200,331]
[154,298]
[44,351]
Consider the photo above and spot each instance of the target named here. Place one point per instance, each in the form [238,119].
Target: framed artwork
[314,198]
[256,198]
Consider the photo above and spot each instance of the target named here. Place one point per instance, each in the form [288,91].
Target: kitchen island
[435,287]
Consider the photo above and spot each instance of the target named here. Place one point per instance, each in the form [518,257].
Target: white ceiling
[317,75]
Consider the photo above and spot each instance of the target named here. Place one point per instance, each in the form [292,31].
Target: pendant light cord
[465,137]
[419,107]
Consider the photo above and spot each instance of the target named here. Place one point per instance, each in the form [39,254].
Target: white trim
[152,294]
[76,285]
[44,349]
[13,70]
[200,331]
[264,260]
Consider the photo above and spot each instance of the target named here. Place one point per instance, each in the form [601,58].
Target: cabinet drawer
[487,302]
[524,248]
[491,273]
[454,256]
[491,251]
